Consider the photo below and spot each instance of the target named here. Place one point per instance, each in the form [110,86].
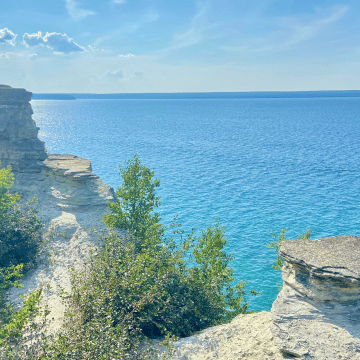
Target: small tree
[136,200]
[165,287]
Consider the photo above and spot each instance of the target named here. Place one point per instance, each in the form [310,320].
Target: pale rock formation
[19,144]
[317,313]
[247,336]
[71,201]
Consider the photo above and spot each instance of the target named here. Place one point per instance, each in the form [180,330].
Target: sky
[146,46]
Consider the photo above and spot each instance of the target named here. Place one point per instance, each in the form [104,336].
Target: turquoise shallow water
[260,164]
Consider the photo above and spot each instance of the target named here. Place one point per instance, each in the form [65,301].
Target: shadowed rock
[317,313]
[19,144]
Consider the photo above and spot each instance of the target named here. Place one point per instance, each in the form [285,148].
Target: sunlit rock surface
[317,313]
[71,200]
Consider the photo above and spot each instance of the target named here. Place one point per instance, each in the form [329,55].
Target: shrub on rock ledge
[144,284]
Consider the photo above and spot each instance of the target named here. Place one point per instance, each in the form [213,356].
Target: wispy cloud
[119,1]
[148,17]
[7,37]
[290,31]
[58,42]
[138,74]
[199,29]
[74,10]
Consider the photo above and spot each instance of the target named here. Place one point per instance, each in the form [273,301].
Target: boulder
[317,313]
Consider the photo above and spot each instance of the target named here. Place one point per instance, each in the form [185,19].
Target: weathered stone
[19,144]
[248,336]
[71,201]
[317,313]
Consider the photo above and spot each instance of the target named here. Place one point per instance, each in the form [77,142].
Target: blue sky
[179,46]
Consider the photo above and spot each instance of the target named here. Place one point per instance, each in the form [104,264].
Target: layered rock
[19,143]
[317,313]
[71,201]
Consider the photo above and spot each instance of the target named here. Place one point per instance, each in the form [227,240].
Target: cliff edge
[315,316]
[71,200]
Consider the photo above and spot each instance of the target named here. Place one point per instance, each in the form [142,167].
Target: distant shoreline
[201,95]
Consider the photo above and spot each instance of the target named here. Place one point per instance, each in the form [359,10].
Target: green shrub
[145,285]
[136,199]
[20,229]
[20,232]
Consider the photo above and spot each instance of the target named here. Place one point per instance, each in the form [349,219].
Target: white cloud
[7,36]
[33,39]
[127,55]
[32,56]
[114,75]
[74,10]
[9,54]
[56,41]
[119,1]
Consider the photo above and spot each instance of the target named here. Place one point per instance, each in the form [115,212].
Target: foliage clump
[20,229]
[20,233]
[143,284]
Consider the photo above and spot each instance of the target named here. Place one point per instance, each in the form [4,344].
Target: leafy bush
[20,229]
[144,285]
[20,232]
[136,200]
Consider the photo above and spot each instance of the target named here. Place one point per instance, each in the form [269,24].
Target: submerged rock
[317,313]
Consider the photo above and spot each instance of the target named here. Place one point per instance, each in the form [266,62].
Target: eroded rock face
[317,313]
[19,143]
[71,201]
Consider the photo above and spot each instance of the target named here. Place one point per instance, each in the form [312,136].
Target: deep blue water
[260,164]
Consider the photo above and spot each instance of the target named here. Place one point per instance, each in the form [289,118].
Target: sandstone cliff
[316,315]
[72,199]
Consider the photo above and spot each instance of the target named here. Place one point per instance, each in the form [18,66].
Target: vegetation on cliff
[143,284]
[20,237]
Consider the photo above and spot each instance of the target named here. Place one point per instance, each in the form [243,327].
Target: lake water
[259,164]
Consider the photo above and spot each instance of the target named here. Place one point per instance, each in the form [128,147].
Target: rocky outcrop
[71,201]
[247,336]
[317,313]
[19,143]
